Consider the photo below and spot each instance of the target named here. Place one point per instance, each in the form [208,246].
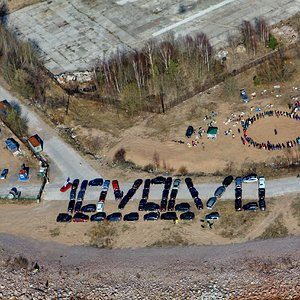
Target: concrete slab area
[73,34]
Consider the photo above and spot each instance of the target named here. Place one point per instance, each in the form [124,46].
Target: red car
[118,194]
[66,185]
[115,185]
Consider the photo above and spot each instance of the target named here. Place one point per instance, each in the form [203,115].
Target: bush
[120,156]
[183,170]
[272,42]
[101,235]
[275,230]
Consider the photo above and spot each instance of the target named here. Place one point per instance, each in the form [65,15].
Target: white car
[261,182]
[100,206]
[250,178]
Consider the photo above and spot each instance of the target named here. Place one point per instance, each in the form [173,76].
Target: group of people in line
[268,145]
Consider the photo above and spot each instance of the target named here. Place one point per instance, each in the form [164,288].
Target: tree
[248,36]
[120,156]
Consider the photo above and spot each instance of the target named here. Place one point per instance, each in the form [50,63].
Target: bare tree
[262,30]
[248,36]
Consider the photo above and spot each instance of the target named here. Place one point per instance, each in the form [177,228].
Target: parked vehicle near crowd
[78,205]
[67,184]
[198,203]
[188,215]
[133,216]
[145,193]
[189,182]
[137,183]
[211,202]
[261,194]
[174,193]
[63,217]
[219,191]
[98,217]
[118,194]
[244,96]
[96,182]
[189,131]
[123,202]
[158,180]
[152,216]
[88,208]
[261,182]
[238,193]
[238,182]
[147,184]
[163,204]
[142,203]
[151,206]
[227,180]
[251,206]
[75,184]
[262,204]
[106,185]
[71,206]
[212,216]
[238,204]
[100,206]
[83,185]
[168,183]
[176,183]
[250,178]
[171,204]
[194,193]
[4,174]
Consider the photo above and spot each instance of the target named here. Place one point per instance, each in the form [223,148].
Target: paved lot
[73,34]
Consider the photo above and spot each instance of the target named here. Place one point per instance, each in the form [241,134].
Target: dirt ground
[233,227]
[18,4]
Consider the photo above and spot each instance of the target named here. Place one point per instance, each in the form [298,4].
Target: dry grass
[18,4]
[295,206]
[54,232]
[102,235]
[171,240]
[277,229]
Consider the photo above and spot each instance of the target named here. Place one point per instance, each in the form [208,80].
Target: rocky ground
[255,270]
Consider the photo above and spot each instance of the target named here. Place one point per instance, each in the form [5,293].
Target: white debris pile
[286,33]
[80,77]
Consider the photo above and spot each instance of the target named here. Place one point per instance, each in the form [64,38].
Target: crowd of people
[268,145]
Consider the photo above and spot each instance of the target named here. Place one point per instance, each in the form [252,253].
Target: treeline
[160,72]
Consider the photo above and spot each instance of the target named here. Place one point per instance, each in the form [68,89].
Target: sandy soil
[18,4]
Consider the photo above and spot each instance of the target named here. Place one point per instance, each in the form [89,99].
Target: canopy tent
[212,132]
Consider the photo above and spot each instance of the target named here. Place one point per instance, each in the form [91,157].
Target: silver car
[211,202]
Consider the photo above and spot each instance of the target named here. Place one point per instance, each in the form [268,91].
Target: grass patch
[170,241]
[295,206]
[54,232]
[275,230]
[235,224]
[102,234]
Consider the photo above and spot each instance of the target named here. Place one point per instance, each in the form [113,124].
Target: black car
[189,131]
[147,183]
[174,193]
[170,215]
[184,206]
[142,203]
[123,202]
[151,206]
[171,204]
[152,216]
[118,194]
[71,206]
[133,216]
[168,183]
[188,215]
[163,204]
[262,204]
[198,203]
[145,193]
[131,193]
[261,194]
[98,217]
[114,217]
[73,194]
[88,208]
[189,182]
[158,180]
[251,206]
[80,217]
[75,184]
[84,184]
[102,196]
[78,206]
[238,193]
[137,184]
[194,192]
[165,194]
[211,202]
[227,180]
[80,195]
[63,217]
[238,204]
[96,182]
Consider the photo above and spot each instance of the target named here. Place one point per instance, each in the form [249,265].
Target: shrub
[183,170]
[272,42]
[101,235]
[275,230]
[120,156]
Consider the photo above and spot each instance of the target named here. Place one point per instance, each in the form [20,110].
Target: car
[212,216]
[189,131]
[98,217]
[250,178]
[163,204]
[115,185]
[67,184]
[176,183]
[238,204]
[114,217]
[244,96]
[142,203]
[83,185]
[171,204]
[219,191]
[63,217]
[145,193]
[170,215]
[194,193]
[174,193]
[75,184]
[261,194]
[147,183]
[189,182]
[251,206]
[133,216]
[262,204]
[238,182]
[78,205]
[88,208]
[198,203]
[106,184]
[238,193]
[137,184]
[261,182]
[118,194]
[165,194]
[80,217]
[96,182]
[102,196]
[123,202]
[151,206]
[188,215]
[71,206]
[131,193]
[184,206]
[158,180]
[100,206]
[4,174]
[73,194]
[211,202]
[168,183]
[80,195]
[227,181]
[152,216]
